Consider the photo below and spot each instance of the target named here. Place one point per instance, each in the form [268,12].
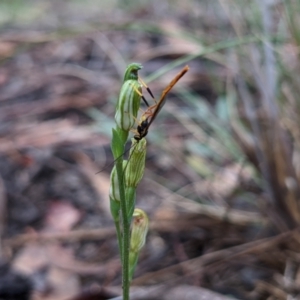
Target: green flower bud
[139,230]
[136,164]
[114,192]
[129,98]
[132,71]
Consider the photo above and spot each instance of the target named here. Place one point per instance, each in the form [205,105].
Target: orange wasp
[151,113]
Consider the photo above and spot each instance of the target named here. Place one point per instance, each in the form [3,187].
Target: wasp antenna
[115,160]
[136,90]
[141,95]
[107,166]
[149,91]
[130,154]
[146,102]
[147,88]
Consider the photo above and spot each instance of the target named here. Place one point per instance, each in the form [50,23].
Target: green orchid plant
[131,223]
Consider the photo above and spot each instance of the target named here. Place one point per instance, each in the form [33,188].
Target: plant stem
[119,236]
[126,231]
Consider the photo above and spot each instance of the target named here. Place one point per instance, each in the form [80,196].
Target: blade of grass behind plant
[206,115]
[205,51]
[103,123]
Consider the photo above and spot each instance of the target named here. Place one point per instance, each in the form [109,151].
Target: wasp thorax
[142,129]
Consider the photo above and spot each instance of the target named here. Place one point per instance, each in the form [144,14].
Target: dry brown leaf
[61,216]
[44,134]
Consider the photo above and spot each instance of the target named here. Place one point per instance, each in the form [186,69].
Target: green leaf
[117,147]
[115,207]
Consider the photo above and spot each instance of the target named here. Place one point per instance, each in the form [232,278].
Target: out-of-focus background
[221,185]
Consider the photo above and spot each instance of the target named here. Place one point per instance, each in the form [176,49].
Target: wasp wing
[157,108]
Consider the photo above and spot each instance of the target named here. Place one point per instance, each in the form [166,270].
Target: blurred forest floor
[221,186]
